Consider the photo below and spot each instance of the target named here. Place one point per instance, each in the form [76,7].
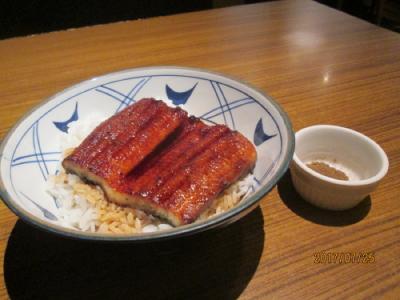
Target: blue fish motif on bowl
[30,153]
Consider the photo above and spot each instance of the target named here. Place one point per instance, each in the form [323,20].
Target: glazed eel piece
[185,171]
[120,143]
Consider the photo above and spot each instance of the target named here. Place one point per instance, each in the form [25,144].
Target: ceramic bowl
[30,152]
[360,158]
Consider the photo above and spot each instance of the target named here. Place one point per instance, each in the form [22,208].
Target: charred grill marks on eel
[156,158]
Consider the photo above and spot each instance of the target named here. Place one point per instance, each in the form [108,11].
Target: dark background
[385,13]
[19,18]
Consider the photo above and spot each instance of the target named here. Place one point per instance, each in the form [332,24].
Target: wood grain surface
[320,65]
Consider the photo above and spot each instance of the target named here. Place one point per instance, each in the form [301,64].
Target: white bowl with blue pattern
[30,152]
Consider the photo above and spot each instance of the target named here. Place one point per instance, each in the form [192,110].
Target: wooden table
[321,65]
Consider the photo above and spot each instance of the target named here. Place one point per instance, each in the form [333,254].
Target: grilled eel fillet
[173,168]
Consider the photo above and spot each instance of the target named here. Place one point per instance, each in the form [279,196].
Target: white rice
[84,207]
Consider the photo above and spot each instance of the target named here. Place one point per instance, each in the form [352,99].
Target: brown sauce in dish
[327,170]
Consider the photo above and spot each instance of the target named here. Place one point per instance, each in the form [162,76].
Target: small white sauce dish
[360,158]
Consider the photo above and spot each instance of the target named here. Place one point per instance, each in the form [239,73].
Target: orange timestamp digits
[348,257]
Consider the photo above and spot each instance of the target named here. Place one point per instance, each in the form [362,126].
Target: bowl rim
[185,230]
[350,183]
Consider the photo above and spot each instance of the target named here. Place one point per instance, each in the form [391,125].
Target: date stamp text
[361,257]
